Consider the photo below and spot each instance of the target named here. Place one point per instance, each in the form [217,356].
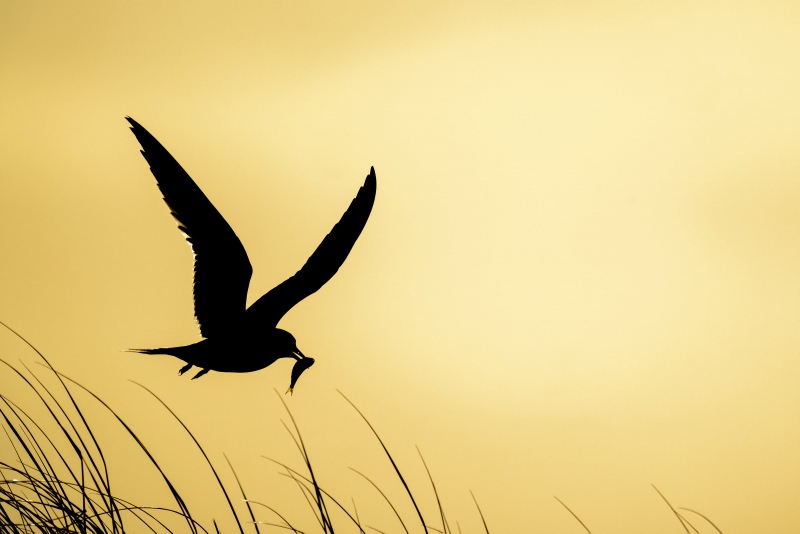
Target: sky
[580,277]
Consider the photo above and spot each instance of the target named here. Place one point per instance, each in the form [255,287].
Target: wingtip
[371,179]
[135,127]
[144,137]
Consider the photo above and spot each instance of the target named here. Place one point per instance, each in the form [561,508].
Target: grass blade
[573,514]
[388,455]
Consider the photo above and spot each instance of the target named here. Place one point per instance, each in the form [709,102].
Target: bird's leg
[201,373]
[185,368]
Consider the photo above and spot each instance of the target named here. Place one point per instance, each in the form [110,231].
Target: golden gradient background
[581,275]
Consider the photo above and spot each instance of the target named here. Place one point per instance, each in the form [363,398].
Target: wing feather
[222,270]
[321,266]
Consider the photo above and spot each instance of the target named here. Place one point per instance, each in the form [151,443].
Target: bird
[236,338]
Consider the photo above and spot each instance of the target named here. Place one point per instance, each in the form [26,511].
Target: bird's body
[242,353]
[239,340]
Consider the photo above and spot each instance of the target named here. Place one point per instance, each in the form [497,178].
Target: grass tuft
[67,489]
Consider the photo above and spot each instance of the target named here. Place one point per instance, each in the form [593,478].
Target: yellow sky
[581,274]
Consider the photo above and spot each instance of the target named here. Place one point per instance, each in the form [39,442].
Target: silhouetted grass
[47,488]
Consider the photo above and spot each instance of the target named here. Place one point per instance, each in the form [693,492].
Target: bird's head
[284,344]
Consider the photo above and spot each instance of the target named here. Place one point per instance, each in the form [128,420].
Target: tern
[237,339]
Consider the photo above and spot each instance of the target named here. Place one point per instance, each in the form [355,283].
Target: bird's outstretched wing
[221,268]
[321,266]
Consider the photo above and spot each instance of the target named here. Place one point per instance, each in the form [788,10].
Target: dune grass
[57,489]
[50,487]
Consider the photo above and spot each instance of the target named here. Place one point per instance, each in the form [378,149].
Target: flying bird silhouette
[239,339]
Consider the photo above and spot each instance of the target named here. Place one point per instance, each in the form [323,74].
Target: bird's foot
[185,368]
[201,373]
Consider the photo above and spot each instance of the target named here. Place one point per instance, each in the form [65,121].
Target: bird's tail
[172,351]
[147,351]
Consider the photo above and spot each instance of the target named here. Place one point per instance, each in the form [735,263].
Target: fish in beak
[302,363]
